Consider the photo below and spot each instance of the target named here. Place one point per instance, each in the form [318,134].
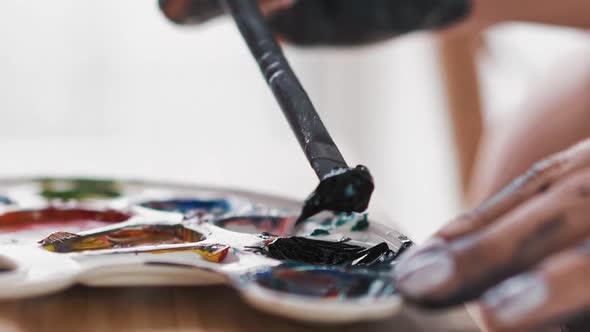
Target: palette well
[55,233]
[52,218]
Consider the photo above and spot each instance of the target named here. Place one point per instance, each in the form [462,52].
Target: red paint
[279,226]
[223,254]
[54,218]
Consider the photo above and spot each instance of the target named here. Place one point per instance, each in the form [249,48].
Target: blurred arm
[555,117]
[573,13]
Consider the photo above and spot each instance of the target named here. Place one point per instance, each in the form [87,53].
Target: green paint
[362,224]
[79,189]
[320,232]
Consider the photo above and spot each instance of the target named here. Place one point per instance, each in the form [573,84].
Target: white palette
[131,233]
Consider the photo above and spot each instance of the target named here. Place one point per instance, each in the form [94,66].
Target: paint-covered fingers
[334,22]
[270,7]
[537,180]
[190,11]
[199,11]
[556,291]
[461,269]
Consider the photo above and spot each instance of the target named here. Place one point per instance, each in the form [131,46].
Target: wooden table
[184,309]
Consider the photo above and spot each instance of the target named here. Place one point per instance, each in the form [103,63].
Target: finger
[270,7]
[556,291]
[537,180]
[456,271]
[190,11]
[199,11]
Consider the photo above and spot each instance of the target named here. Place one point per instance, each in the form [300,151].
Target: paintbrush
[341,188]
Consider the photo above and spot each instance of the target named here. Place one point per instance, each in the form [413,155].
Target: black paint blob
[326,253]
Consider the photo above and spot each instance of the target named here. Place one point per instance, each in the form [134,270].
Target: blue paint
[324,282]
[5,201]
[320,232]
[190,206]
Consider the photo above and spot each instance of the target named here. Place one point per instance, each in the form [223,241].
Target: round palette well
[54,218]
[190,206]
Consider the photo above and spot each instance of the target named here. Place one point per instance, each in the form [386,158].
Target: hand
[485,13]
[199,11]
[334,22]
[524,254]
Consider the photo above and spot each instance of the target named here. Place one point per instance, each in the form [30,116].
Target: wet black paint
[361,225]
[327,253]
[346,190]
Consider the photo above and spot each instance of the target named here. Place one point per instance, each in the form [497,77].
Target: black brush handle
[320,149]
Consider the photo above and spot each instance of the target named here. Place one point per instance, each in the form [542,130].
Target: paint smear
[79,189]
[362,224]
[324,282]
[125,237]
[190,206]
[278,226]
[55,218]
[5,201]
[344,218]
[214,253]
[327,253]
[320,232]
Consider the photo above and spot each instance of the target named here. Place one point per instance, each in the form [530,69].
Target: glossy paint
[327,253]
[54,218]
[323,282]
[125,237]
[190,206]
[278,226]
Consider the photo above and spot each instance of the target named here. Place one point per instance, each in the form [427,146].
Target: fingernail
[431,244]
[515,298]
[424,271]
[460,224]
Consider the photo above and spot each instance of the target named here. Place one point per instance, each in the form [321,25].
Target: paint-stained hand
[334,22]
[199,11]
[524,254]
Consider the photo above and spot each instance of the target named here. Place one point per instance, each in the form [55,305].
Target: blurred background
[110,88]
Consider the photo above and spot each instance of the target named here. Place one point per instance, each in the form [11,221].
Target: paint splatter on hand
[524,254]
